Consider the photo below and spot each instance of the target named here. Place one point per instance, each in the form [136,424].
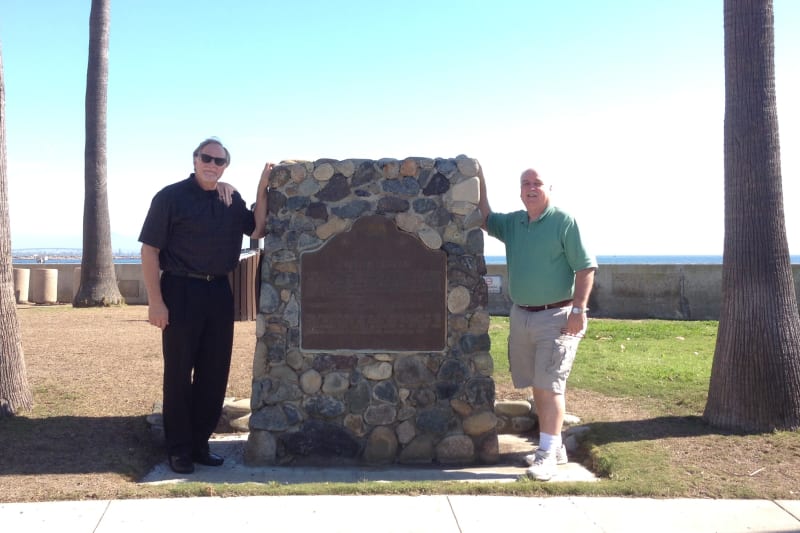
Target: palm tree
[755,377]
[98,285]
[15,394]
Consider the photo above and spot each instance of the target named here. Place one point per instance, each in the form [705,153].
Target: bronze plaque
[373,288]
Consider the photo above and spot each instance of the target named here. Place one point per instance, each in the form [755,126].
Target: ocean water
[646,259]
[490,259]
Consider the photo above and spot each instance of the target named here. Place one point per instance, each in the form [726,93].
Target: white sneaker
[544,465]
[561,457]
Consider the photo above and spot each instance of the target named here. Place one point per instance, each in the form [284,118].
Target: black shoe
[181,464]
[207,458]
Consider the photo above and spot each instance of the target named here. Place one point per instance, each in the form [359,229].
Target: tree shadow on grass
[654,428]
[77,445]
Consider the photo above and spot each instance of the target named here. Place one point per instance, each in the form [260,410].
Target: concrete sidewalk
[442,514]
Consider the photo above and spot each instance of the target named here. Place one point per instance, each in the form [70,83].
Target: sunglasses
[219,161]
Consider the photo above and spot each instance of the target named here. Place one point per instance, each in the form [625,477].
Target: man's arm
[262,203]
[157,312]
[483,202]
[584,281]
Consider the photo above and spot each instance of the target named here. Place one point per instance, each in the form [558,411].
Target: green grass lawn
[669,361]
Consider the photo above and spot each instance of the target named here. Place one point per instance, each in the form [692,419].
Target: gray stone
[261,449]
[406,432]
[320,438]
[269,300]
[434,420]
[455,449]
[419,451]
[411,371]
[358,397]
[385,391]
[336,189]
[405,187]
[269,418]
[324,406]
[335,383]
[380,415]
[352,209]
[381,446]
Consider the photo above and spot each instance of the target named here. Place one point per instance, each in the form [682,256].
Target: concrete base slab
[510,468]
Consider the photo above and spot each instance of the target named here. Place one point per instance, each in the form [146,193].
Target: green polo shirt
[542,255]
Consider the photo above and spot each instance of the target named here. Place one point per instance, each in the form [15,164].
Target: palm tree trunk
[15,393]
[98,285]
[755,377]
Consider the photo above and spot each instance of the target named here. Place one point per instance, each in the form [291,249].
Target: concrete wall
[675,292]
[672,292]
[129,280]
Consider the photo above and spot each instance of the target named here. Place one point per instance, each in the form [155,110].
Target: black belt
[195,275]
[535,308]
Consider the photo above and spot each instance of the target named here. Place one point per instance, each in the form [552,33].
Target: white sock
[549,442]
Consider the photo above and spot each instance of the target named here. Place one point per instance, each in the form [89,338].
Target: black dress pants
[197,347]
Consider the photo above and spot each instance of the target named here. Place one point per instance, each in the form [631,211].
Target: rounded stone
[381,446]
[455,449]
[480,423]
[458,300]
[335,383]
[467,166]
[377,371]
[324,172]
[512,408]
[310,381]
[260,449]
[406,432]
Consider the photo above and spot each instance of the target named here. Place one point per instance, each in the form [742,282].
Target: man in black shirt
[193,234]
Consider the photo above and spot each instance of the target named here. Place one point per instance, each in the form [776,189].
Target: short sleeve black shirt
[194,230]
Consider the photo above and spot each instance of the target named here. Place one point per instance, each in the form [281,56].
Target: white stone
[461,208]
[333,226]
[298,172]
[310,381]
[458,300]
[283,373]
[467,166]
[377,371]
[236,408]
[241,424]
[467,191]
[409,222]
[346,168]
[512,407]
[324,172]
[430,237]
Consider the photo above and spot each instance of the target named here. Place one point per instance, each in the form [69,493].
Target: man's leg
[213,365]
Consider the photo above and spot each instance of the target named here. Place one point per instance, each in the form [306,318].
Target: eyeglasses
[219,161]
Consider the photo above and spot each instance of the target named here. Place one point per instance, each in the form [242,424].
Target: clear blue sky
[619,102]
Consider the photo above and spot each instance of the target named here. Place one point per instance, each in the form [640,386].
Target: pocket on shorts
[564,349]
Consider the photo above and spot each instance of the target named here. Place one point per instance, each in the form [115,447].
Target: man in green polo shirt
[550,277]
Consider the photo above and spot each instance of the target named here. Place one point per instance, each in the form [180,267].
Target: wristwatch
[579,310]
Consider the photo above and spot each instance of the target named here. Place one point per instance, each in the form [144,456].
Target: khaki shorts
[539,355]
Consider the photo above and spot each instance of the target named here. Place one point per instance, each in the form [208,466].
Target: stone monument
[372,329]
